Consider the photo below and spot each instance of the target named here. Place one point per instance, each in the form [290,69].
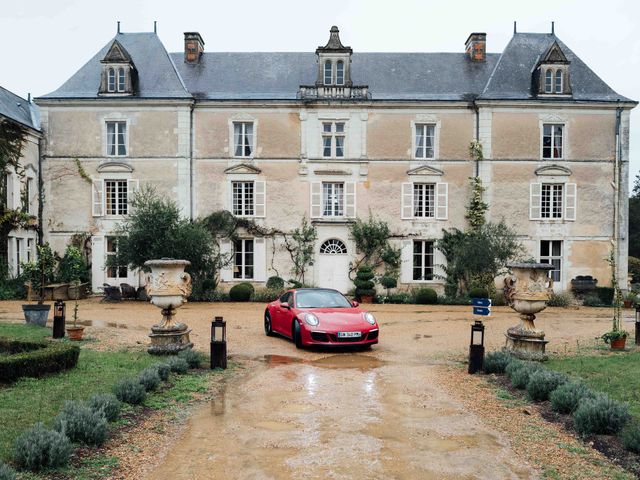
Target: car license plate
[349,334]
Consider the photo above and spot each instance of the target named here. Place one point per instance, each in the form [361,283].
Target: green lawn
[617,374]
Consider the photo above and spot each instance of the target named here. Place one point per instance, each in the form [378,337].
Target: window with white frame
[328,72]
[243,250]
[424,204]
[552,140]
[548,81]
[117,139]
[242,139]
[243,198]
[558,81]
[551,253]
[333,139]
[340,72]
[423,251]
[551,203]
[26,195]
[425,141]
[18,256]
[30,252]
[111,252]
[121,80]
[116,197]
[111,80]
[332,199]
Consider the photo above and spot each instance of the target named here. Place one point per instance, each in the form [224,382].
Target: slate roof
[390,76]
[18,109]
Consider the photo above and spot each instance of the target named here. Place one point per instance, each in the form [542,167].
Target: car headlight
[370,318]
[311,319]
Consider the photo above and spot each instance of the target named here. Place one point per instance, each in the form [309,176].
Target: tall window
[243,199]
[340,73]
[18,256]
[114,271]
[116,197]
[111,80]
[422,260]
[552,140]
[551,252]
[333,199]
[424,204]
[558,81]
[328,73]
[26,195]
[30,253]
[121,79]
[551,200]
[243,259]
[333,139]
[116,138]
[243,139]
[548,81]
[425,136]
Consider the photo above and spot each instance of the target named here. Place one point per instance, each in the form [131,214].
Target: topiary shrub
[566,397]
[591,301]
[562,299]
[520,376]
[600,415]
[241,292]
[81,424]
[496,362]
[426,296]
[630,437]
[193,358]
[388,282]
[605,294]
[149,378]
[542,382]
[129,391]
[178,365]
[364,282]
[6,472]
[478,292]
[163,371]
[39,448]
[107,404]
[275,283]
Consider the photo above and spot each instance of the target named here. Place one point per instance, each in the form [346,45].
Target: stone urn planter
[75,333]
[168,287]
[527,292]
[36,314]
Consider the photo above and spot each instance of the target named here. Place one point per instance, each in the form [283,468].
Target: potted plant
[74,268]
[616,337]
[364,284]
[630,299]
[38,274]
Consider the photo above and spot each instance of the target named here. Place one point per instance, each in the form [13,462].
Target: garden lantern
[59,316]
[476,348]
[637,323]
[218,343]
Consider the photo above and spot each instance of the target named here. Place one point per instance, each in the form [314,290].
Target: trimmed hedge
[426,296]
[34,359]
[241,292]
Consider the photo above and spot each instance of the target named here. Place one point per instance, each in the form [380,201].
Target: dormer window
[118,72]
[121,80]
[112,80]
[551,77]
[340,73]
[558,81]
[548,81]
[328,74]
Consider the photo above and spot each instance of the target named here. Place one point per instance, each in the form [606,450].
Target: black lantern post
[59,317]
[637,323]
[218,343]
[476,348]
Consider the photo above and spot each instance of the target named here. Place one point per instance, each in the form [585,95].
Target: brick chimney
[476,47]
[193,47]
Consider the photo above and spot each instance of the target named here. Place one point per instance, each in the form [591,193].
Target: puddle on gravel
[103,324]
[361,362]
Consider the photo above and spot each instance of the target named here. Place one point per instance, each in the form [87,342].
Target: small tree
[372,241]
[301,248]
[364,282]
[615,333]
[40,272]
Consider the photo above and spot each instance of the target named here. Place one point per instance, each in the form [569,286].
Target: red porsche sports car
[320,316]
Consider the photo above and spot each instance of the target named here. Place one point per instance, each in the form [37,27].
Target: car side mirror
[285,305]
[354,303]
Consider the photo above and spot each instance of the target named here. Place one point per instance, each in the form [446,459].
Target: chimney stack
[193,47]
[476,47]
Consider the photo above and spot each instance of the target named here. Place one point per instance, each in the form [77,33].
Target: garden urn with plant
[168,287]
[527,292]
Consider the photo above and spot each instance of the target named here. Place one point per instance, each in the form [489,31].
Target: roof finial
[553,28]
[118,26]
[155,26]
[515,30]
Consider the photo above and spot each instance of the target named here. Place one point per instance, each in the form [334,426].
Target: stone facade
[191,145]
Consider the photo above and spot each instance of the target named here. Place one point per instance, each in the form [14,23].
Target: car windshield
[321,299]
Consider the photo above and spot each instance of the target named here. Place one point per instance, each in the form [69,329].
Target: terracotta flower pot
[618,343]
[628,303]
[366,298]
[75,333]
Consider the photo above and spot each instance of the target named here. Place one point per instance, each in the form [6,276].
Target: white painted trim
[242,117]
[423,119]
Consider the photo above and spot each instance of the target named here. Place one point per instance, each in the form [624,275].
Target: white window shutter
[133,185]
[439,262]
[260,199]
[98,256]
[316,200]
[226,273]
[98,198]
[407,201]
[535,201]
[350,199]
[259,260]
[442,201]
[406,264]
[570,201]
[10,185]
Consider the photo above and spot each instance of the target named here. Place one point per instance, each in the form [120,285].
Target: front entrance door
[333,266]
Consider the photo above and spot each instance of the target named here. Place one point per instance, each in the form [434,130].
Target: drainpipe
[477,133]
[616,186]
[40,193]
[191,195]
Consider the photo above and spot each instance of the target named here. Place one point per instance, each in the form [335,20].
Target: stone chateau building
[334,135]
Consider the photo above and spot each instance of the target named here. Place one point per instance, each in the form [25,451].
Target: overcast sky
[43,42]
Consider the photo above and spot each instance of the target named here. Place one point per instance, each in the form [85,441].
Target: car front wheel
[297,334]
[268,330]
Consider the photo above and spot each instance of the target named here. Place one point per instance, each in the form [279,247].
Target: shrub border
[35,359]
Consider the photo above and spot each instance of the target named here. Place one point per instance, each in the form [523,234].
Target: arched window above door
[333,246]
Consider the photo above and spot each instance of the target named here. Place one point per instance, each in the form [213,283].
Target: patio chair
[111,293]
[128,292]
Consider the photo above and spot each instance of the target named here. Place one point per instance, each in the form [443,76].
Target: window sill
[333,220]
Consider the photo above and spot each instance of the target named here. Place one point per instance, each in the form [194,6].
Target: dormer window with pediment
[118,72]
[552,73]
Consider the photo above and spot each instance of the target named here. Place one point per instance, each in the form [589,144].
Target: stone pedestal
[169,340]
